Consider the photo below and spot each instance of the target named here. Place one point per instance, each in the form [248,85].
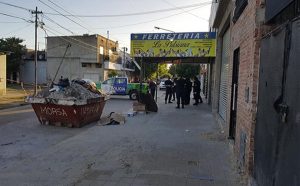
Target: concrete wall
[27,72]
[2,74]
[83,49]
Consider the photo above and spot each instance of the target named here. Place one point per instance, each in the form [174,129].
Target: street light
[159,28]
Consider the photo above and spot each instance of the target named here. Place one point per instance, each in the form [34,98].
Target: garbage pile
[78,91]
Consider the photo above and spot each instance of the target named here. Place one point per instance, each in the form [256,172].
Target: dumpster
[75,106]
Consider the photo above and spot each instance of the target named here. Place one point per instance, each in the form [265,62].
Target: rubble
[76,93]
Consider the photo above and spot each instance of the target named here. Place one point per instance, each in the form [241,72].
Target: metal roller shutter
[224,76]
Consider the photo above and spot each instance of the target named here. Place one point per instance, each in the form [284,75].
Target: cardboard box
[138,107]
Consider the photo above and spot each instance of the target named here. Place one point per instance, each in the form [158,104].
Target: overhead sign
[185,44]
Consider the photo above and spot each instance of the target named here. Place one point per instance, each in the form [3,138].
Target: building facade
[254,83]
[239,27]
[88,57]
[27,68]
[2,74]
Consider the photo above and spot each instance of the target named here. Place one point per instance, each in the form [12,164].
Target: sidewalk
[14,97]
[176,147]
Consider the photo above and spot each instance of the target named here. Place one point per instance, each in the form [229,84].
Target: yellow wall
[2,74]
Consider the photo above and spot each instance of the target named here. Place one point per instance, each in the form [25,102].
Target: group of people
[182,88]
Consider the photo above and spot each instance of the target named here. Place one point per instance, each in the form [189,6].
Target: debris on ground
[112,119]
[65,93]
[77,89]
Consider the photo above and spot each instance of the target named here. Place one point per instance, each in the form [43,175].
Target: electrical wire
[16,6]
[149,21]
[185,11]
[63,15]
[8,15]
[51,20]
[138,13]
[69,38]
[70,14]
[17,30]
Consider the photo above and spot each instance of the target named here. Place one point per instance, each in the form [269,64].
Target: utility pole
[124,60]
[36,12]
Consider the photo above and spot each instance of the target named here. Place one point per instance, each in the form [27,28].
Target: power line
[149,21]
[51,20]
[67,38]
[70,14]
[17,30]
[185,10]
[8,15]
[62,14]
[16,6]
[138,13]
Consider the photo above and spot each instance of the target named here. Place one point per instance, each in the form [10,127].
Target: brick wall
[246,36]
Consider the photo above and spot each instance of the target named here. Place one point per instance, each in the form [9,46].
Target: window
[240,5]
[89,65]
[109,82]
[121,81]
[98,65]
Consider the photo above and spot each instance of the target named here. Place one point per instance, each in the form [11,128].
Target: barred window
[240,5]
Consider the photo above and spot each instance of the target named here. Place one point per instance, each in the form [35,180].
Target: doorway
[234,92]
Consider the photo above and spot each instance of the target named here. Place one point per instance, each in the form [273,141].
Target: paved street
[171,147]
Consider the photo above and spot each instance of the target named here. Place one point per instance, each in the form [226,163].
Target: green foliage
[16,49]
[112,73]
[185,70]
[151,70]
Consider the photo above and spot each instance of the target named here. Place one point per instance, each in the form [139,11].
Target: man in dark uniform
[168,84]
[152,87]
[180,83]
[196,91]
[174,89]
[187,91]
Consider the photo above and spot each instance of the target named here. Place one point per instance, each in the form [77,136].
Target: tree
[112,73]
[151,70]
[16,49]
[186,70]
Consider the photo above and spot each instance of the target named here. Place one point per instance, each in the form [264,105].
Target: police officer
[168,84]
[196,91]
[180,85]
[187,91]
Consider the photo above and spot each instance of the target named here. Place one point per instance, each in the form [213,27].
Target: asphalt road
[171,147]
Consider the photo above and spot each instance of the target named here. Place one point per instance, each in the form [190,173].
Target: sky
[115,19]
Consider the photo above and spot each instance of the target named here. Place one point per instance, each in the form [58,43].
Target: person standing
[196,91]
[168,84]
[174,89]
[187,91]
[180,85]
[152,87]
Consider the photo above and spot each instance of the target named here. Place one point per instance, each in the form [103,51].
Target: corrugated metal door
[277,131]
[224,75]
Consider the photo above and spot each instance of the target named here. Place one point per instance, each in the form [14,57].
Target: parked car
[162,85]
[121,86]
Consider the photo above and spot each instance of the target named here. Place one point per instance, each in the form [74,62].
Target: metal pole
[35,49]
[35,56]
[141,76]
[156,82]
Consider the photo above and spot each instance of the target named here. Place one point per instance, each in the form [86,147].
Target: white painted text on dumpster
[53,111]
[90,110]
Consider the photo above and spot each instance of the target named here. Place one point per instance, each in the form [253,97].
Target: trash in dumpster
[112,119]
[69,104]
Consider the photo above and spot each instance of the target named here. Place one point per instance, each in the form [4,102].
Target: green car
[120,86]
